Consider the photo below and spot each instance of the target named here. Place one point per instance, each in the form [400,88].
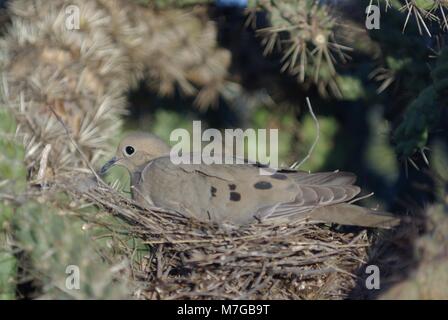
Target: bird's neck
[139,195]
[136,175]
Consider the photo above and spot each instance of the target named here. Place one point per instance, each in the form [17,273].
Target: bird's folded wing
[309,198]
[324,178]
[237,193]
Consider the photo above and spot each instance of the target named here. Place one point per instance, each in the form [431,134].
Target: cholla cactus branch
[419,13]
[303,31]
[83,73]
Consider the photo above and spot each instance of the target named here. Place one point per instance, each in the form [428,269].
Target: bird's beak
[108,165]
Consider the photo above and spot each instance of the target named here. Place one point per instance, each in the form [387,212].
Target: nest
[190,259]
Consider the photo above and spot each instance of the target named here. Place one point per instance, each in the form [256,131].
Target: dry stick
[83,156]
[316,140]
[362,197]
[43,165]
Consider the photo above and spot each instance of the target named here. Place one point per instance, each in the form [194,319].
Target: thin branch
[43,166]
[297,165]
[83,156]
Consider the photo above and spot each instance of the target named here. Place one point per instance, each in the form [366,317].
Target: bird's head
[135,150]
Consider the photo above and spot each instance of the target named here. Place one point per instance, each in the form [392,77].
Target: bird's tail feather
[349,214]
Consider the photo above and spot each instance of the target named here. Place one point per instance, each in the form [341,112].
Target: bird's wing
[324,178]
[310,197]
[238,194]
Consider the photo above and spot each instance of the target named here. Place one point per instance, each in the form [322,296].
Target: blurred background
[379,95]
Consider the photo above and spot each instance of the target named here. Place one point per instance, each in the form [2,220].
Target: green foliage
[295,139]
[440,76]
[351,87]
[12,181]
[439,164]
[425,4]
[380,155]
[266,118]
[12,170]
[54,240]
[8,267]
[166,121]
[421,115]
[51,237]
[397,64]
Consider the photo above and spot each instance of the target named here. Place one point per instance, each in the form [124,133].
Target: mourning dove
[236,193]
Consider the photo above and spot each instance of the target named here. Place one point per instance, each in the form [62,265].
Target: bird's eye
[129,150]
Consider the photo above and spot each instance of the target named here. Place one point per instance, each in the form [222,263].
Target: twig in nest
[43,166]
[297,165]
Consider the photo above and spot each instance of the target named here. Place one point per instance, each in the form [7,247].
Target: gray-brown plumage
[237,193]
